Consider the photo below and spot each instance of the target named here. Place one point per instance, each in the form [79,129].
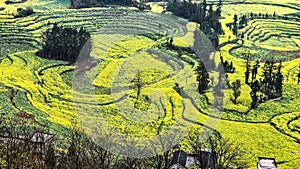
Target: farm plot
[55,95]
[231,9]
[273,34]
[270,39]
[26,33]
[44,93]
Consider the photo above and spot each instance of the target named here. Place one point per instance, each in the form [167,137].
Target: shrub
[24,12]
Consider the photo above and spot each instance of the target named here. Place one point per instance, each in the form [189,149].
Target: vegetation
[236,87]
[259,54]
[24,12]
[195,12]
[91,3]
[202,78]
[66,44]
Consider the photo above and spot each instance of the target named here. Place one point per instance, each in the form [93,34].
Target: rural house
[266,163]
[180,159]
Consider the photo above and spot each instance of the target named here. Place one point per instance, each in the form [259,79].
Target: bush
[24,12]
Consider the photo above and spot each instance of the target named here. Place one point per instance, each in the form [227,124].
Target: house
[266,163]
[37,142]
[180,159]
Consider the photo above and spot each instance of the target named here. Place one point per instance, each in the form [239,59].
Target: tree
[255,69]
[229,154]
[236,88]
[17,151]
[219,8]
[235,26]
[254,94]
[138,83]
[202,78]
[83,152]
[171,41]
[50,159]
[269,78]
[247,72]
[279,80]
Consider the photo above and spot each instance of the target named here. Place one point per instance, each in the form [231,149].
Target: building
[266,163]
[37,142]
[180,160]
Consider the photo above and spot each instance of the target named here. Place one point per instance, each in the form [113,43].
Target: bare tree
[229,154]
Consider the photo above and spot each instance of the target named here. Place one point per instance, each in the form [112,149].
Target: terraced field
[100,92]
[273,34]
[259,7]
[41,84]
[19,34]
[270,39]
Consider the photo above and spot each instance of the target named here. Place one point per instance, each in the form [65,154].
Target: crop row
[282,122]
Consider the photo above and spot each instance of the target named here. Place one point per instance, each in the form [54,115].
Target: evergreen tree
[236,88]
[202,78]
[254,94]
[247,73]
[254,70]
[279,80]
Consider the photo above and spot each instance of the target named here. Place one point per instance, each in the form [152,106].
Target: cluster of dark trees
[24,12]
[202,13]
[269,86]
[93,3]
[228,67]
[65,44]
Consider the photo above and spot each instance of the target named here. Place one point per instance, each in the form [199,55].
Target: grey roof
[179,157]
[41,137]
[266,163]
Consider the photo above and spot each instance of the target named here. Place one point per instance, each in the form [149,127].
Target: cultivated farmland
[131,47]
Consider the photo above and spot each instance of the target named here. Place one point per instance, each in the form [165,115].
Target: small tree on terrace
[202,78]
[248,66]
[236,88]
[138,83]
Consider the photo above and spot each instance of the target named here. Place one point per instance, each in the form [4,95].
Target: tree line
[239,22]
[93,3]
[65,44]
